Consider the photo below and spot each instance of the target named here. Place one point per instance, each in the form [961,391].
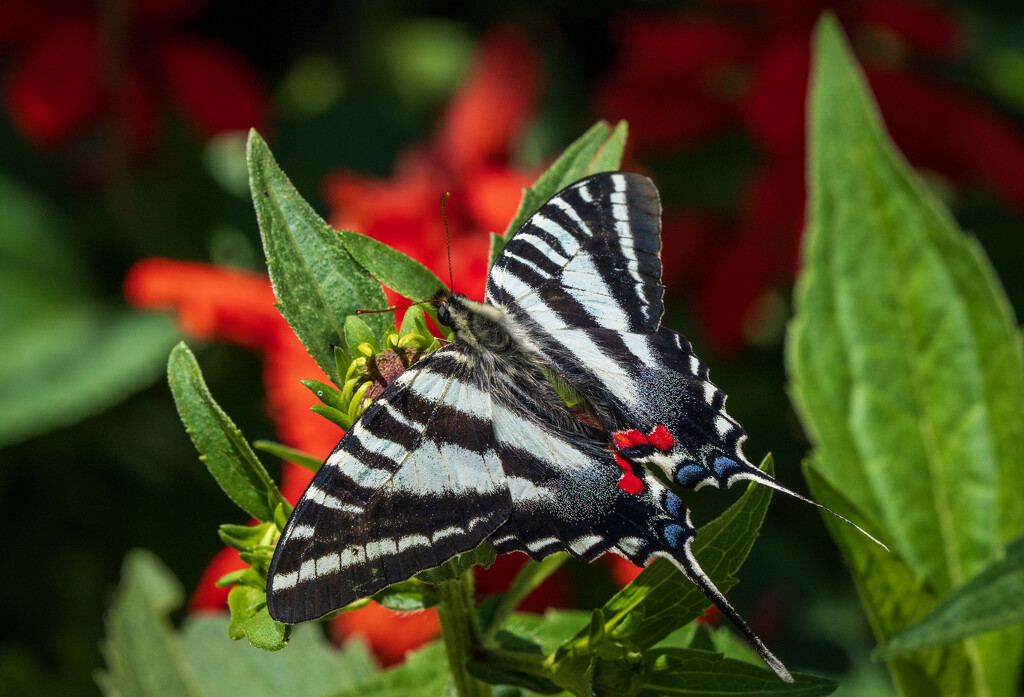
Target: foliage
[906,368]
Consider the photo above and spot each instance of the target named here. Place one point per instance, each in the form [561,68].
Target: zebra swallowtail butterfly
[473,442]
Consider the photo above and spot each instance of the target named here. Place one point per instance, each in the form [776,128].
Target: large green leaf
[222,447]
[47,380]
[424,673]
[316,280]
[146,657]
[598,150]
[391,267]
[697,673]
[906,369]
[892,598]
[991,600]
[310,667]
[65,354]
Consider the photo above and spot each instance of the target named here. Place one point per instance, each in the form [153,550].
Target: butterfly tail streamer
[682,557]
[756,475]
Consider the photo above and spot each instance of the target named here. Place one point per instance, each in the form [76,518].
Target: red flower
[70,76]
[682,79]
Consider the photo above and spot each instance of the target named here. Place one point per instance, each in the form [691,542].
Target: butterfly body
[473,442]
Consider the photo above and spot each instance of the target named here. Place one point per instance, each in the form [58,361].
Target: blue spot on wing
[673,533]
[725,467]
[690,475]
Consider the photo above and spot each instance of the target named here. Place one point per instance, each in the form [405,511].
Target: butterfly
[473,442]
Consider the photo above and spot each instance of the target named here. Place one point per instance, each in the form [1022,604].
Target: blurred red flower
[682,79]
[77,69]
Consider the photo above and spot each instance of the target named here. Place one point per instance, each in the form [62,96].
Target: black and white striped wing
[415,481]
[582,281]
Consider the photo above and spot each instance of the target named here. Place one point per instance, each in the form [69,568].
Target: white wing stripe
[542,246]
[568,242]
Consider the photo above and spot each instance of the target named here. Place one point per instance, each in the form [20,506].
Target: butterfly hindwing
[414,482]
[571,493]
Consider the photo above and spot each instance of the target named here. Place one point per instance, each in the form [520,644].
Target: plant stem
[461,634]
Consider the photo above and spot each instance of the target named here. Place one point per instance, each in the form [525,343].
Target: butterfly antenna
[447,240]
[759,476]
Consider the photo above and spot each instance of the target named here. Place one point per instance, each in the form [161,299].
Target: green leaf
[414,322]
[696,673]
[357,333]
[991,600]
[310,667]
[244,537]
[892,598]
[423,674]
[317,282]
[221,446]
[408,596]
[551,629]
[598,150]
[143,656]
[146,658]
[906,369]
[663,598]
[399,272]
[452,569]
[250,619]
[47,381]
[290,454]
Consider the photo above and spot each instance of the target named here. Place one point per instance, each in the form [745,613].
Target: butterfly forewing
[414,482]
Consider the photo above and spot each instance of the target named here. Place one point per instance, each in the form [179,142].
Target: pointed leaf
[289,454]
[696,673]
[311,667]
[222,447]
[598,150]
[991,600]
[357,333]
[424,673]
[402,274]
[452,569]
[317,282]
[906,367]
[142,653]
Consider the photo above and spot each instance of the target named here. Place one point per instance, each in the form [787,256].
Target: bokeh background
[125,225]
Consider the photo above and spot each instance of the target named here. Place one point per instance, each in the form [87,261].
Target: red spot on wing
[628,482]
[661,438]
[630,438]
[631,484]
